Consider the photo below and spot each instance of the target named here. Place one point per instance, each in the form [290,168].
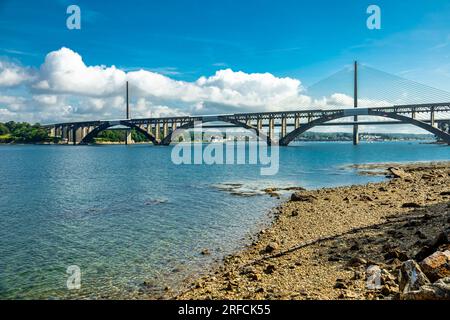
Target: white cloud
[146,109]
[341,100]
[46,99]
[65,72]
[12,74]
[12,103]
[257,91]
[64,88]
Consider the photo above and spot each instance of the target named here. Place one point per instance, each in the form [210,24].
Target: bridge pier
[78,135]
[432,118]
[52,132]
[63,133]
[149,128]
[165,129]
[157,131]
[70,135]
[283,127]
[128,139]
[271,128]
[297,122]
[59,131]
[356,133]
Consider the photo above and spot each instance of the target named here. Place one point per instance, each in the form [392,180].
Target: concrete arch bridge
[275,127]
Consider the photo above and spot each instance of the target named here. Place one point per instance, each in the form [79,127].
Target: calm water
[126,215]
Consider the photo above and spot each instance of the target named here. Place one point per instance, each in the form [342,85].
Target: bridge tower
[355,104]
[128,131]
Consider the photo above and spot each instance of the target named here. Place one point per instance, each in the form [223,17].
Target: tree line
[119,136]
[23,132]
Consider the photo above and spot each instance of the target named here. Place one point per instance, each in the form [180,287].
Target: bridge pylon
[127,131]
[355,104]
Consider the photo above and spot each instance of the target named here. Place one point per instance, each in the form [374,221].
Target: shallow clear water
[126,215]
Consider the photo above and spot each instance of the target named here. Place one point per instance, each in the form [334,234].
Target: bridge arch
[190,125]
[107,124]
[405,120]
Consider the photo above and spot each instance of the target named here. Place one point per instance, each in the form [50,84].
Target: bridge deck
[308,114]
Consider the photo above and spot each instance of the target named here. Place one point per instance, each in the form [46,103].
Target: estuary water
[133,222]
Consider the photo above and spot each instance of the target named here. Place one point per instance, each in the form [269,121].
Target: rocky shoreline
[387,240]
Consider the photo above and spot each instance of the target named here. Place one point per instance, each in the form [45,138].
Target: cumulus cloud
[64,88]
[344,101]
[46,99]
[12,103]
[252,90]
[147,109]
[233,90]
[12,74]
[65,72]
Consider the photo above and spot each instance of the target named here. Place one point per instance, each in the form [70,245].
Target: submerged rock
[398,173]
[299,197]
[205,252]
[294,189]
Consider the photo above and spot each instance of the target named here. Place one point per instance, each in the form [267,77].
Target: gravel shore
[322,242]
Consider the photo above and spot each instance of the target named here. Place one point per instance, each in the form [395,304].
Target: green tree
[3,129]
[24,132]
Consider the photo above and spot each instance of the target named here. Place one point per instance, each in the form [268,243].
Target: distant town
[343,136]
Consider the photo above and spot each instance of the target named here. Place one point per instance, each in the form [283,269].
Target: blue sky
[185,40]
[308,39]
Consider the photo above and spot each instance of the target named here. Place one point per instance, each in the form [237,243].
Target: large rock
[398,173]
[440,290]
[437,265]
[300,197]
[411,277]
[271,247]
